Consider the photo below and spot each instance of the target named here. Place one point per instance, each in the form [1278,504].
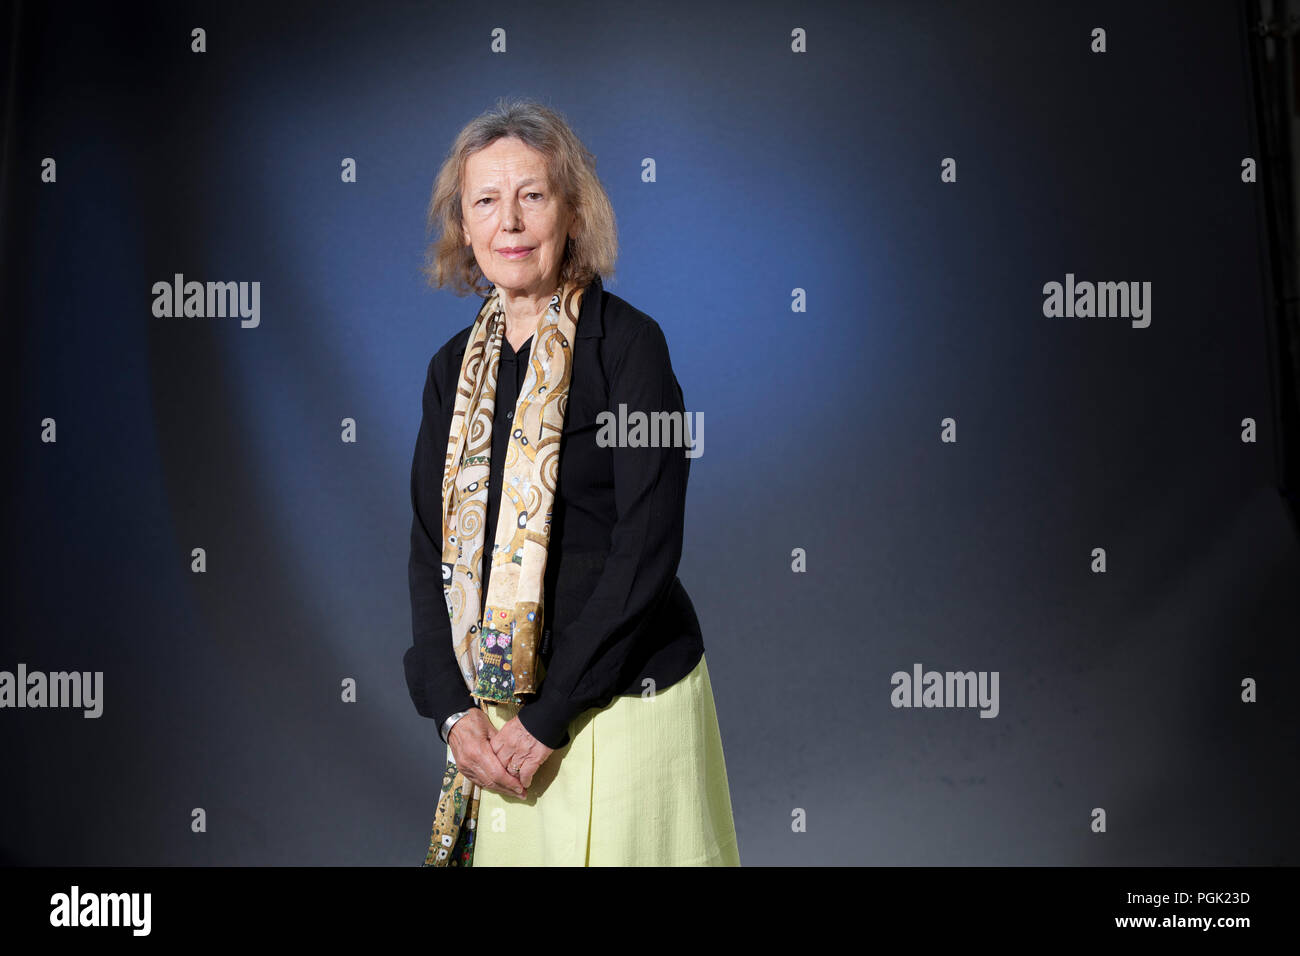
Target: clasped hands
[485,755]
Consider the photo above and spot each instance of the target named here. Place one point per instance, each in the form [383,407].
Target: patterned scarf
[497,652]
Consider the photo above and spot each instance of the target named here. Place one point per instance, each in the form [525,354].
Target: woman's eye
[489,198]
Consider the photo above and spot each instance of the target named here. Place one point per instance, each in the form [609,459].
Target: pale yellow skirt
[642,782]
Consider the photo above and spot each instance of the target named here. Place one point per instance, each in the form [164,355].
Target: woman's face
[508,204]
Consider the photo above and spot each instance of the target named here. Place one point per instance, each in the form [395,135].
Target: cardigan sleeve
[645,548]
[432,674]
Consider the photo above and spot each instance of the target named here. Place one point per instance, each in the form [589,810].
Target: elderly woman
[554,646]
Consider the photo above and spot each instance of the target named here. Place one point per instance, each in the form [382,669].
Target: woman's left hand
[516,747]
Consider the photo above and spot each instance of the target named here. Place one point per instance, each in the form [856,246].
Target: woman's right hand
[471,746]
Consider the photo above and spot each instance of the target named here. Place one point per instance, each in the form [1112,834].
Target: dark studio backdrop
[913,180]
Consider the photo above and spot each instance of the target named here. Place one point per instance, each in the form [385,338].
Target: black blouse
[510,379]
[615,613]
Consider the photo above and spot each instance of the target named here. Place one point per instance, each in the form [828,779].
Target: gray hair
[571,169]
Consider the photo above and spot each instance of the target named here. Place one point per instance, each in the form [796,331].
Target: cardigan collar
[591,317]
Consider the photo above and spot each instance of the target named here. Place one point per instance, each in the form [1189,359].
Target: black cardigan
[615,612]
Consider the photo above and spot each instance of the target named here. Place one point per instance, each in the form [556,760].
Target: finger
[505,790]
[526,772]
[510,782]
[498,772]
[525,766]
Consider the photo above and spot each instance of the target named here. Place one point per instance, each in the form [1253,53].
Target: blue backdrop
[776,170]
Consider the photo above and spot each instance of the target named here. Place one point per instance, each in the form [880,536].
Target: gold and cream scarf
[496,642]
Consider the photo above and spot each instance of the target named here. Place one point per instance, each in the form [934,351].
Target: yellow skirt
[642,782]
